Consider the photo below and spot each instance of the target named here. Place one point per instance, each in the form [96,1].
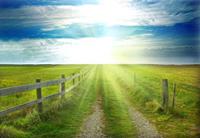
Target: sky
[99,31]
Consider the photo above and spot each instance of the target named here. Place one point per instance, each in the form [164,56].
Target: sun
[99,51]
[90,51]
[102,51]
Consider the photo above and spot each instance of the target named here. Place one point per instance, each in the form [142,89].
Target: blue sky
[99,31]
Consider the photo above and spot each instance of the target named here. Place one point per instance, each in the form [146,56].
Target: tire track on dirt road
[93,126]
[144,127]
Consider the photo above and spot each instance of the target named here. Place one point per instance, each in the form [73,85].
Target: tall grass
[145,92]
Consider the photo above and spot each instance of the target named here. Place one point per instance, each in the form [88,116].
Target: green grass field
[19,75]
[119,86]
[145,93]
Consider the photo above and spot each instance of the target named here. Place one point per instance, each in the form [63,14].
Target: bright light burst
[91,51]
[101,50]
[113,11]
[108,12]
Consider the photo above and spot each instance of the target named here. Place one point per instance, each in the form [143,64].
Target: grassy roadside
[63,120]
[145,95]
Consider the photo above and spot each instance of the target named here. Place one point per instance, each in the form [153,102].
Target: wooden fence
[165,93]
[38,87]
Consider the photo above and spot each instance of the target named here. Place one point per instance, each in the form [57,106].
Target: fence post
[174,96]
[39,97]
[62,86]
[82,75]
[73,79]
[165,94]
[79,76]
[134,79]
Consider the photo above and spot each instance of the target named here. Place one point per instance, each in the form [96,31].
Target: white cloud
[112,12]
[86,50]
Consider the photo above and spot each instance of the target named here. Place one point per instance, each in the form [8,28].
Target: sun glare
[108,12]
[103,51]
[114,12]
[90,51]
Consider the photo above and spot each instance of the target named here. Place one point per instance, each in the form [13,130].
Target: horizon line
[36,64]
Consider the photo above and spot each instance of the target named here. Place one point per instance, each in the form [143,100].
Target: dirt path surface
[145,129]
[93,126]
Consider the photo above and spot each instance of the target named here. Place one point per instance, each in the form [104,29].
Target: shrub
[11,132]
[30,120]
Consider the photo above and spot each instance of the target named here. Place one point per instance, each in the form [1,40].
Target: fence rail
[37,86]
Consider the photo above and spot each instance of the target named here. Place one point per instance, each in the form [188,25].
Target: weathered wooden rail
[38,87]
